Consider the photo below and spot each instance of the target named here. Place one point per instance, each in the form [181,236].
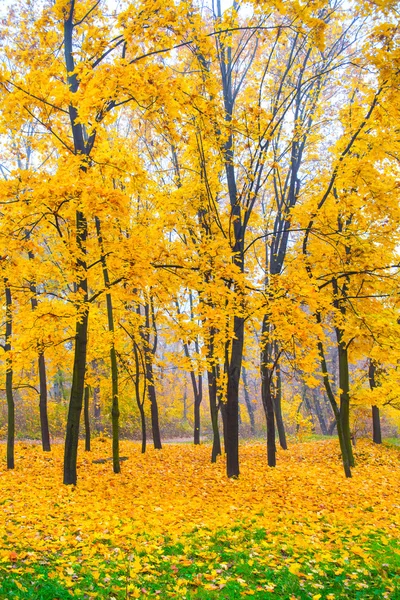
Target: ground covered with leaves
[171,525]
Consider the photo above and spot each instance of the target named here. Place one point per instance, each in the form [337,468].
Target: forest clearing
[171,525]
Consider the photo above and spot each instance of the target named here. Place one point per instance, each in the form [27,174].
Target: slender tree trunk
[266,395]
[376,426]
[115,402]
[212,390]
[87,419]
[222,410]
[376,419]
[232,402]
[269,413]
[197,398]
[9,381]
[212,379]
[143,428]
[81,149]
[197,403]
[97,409]
[113,356]
[344,384]
[44,419]
[278,410]
[139,400]
[76,398]
[155,426]
[320,416]
[332,427]
[248,402]
[150,353]
[335,408]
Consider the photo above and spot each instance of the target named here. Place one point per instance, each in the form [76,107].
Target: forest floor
[171,525]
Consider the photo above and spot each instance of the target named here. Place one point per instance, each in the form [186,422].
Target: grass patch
[227,564]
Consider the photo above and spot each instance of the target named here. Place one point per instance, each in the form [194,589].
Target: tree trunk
[76,397]
[319,413]
[149,357]
[248,402]
[266,394]
[197,386]
[155,426]
[9,381]
[376,426]
[278,410]
[44,419]
[197,403]
[376,419]
[269,413]
[232,401]
[222,410]
[212,390]
[139,400]
[97,409]
[87,420]
[344,384]
[113,355]
[81,149]
[335,408]
[143,428]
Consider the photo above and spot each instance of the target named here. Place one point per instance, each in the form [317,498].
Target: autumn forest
[200,275]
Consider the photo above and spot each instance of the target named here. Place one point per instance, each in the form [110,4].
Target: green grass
[392,441]
[206,566]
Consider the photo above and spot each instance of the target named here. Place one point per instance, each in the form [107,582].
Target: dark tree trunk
[155,426]
[197,385]
[139,399]
[268,404]
[150,352]
[113,356]
[278,410]
[197,403]
[87,419]
[332,427]
[344,384]
[320,415]
[81,149]
[232,400]
[376,419]
[266,394]
[212,390]
[9,381]
[76,398]
[376,426]
[44,419]
[335,408]
[143,428]
[212,379]
[248,402]
[222,410]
